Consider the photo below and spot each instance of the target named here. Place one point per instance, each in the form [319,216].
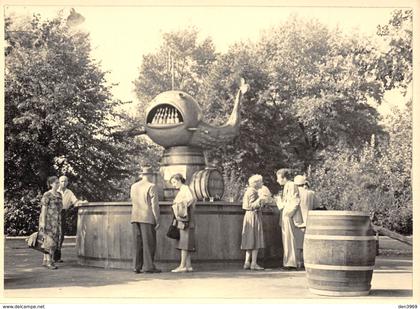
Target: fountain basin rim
[162,203]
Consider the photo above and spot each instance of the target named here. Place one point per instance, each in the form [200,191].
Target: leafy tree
[395,67]
[180,63]
[310,107]
[310,91]
[378,177]
[58,117]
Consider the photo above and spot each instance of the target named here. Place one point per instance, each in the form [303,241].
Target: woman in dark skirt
[183,206]
[252,229]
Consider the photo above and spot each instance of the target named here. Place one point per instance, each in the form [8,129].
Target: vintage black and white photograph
[221,152]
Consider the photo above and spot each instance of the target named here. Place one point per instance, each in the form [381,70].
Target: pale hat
[147,170]
[299,180]
[254,178]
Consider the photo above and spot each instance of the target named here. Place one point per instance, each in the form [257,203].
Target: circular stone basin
[104,235]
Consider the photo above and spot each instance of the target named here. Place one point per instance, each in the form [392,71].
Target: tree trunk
[393,235]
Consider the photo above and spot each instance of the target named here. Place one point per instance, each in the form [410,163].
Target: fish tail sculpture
[208,136]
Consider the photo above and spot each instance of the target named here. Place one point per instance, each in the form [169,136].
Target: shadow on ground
[23,270]
[391,293]
[23,273]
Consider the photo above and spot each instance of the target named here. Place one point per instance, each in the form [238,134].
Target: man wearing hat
[145,218]
[305,204]
[308,199]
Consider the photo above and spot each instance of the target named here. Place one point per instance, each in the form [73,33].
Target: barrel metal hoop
[337,213]
[338,293]
[332,227]
[198,186]
[206,175]
[184,154]
[339,267]
[189,164]
[336,237]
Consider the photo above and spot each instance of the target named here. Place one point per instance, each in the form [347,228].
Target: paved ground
[24,277]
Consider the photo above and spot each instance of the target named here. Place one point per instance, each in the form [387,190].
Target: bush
[71,221]
[234,188]
[365,181]
[21,215]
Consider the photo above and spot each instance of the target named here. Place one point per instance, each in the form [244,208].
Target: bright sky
[121,35]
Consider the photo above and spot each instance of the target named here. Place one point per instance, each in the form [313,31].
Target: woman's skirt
[252,231]
[187,239]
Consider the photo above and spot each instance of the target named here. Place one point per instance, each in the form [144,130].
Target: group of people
[56,204]
[294,202]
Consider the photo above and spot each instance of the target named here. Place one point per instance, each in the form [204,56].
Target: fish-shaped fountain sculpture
[174,121]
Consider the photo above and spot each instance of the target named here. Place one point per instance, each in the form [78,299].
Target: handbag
[35,241]
[173,231]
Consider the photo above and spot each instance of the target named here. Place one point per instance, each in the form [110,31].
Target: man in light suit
[291,218]
[145,218]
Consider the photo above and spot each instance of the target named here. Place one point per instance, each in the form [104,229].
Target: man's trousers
[144,237]
[64,214]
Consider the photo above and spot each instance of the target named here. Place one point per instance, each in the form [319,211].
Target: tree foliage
[58,117]
[310,90]
[377,177]
[180,63]
[396,66]
[312,107]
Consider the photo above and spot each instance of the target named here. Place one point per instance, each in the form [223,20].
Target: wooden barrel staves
[181,159]
[207,183]
[339,253]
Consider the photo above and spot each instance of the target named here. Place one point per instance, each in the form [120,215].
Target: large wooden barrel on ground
[105,236]
[181,159]
[339,253]
[207,183]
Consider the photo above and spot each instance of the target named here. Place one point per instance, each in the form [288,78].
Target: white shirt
[182,201]
[68,198]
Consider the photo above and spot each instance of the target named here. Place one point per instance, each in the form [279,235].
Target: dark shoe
[58,261]
[287,268]
[57,255]
[51,266]
[137,271]
[153,271]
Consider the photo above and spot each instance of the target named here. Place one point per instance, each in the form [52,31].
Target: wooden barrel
[183,155]
[181,159]
[105,237]
[339,253]
[207,183]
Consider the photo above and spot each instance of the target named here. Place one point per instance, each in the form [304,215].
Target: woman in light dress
[183,207]
[252,229]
